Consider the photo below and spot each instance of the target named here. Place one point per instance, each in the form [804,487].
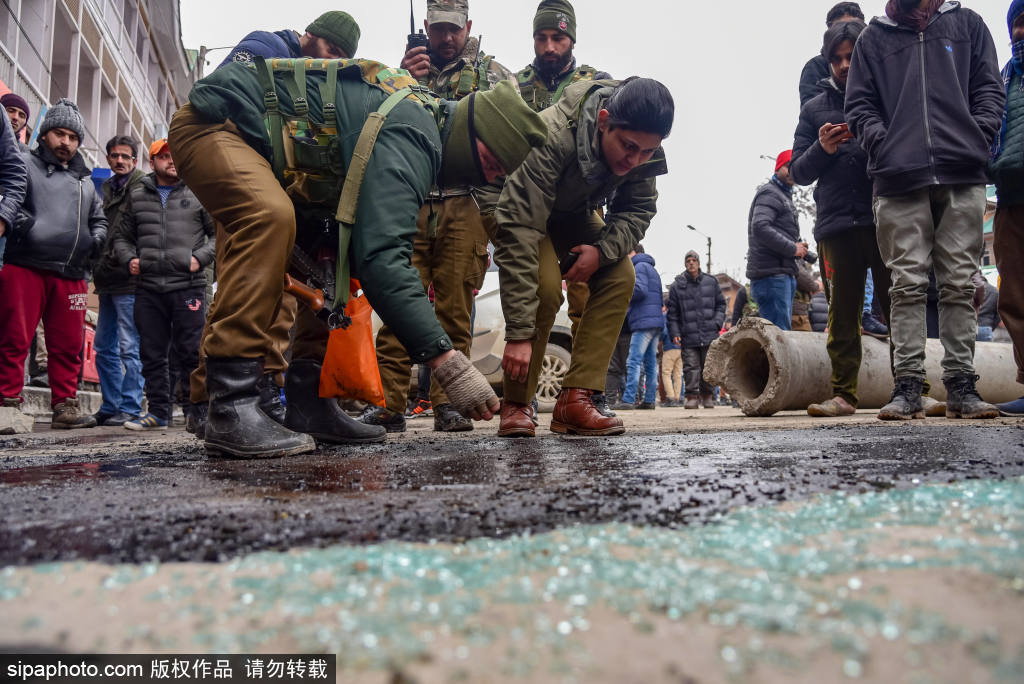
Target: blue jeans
[117,356]
[774,297]
[869,293]
[643,348]
[985,333]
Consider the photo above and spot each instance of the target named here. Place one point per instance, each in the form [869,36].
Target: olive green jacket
[405,161]
[567,179]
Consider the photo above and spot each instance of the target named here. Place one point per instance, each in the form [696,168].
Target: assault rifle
[316,287]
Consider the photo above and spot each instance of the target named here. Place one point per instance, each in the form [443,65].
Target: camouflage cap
[448,12]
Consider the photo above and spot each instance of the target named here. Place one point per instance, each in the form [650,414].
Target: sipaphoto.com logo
[61,670]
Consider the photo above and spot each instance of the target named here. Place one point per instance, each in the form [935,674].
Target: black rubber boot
[963,400]
[270,399]
[905,402]
[195,421]
[322,418]
[235,424]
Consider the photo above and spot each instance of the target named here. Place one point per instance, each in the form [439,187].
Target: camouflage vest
[535,92]
[471,78]
[307,156]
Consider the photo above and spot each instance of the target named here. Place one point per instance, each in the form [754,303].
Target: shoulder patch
[242,57]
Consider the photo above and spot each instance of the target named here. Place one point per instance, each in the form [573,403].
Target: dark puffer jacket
[61,225]
[165,238]
[12,175]
[772,232]
[810,78]
[819,312]
[645,306]
[696,309]
[843,193]
[926,106]
[108,276]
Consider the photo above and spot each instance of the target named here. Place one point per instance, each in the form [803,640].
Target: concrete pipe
[769,370]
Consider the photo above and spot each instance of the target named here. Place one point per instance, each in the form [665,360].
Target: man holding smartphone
[824,151]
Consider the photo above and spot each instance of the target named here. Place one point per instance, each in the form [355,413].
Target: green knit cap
[503,121]
[339,29]
[558,15]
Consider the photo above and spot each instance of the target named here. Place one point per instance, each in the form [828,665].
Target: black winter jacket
[61,225]
[696,309]
[165,238]
[108,275]
[772,232]
[810,78]
[843,193]
[925,106]
[13,179]
[819,312]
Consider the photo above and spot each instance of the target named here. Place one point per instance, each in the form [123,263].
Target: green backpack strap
[297,89]
[348,204]
[328,90]
[272,118]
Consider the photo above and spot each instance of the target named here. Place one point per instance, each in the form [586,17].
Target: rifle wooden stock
[314,299]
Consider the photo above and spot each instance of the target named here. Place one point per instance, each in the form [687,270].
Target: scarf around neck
[916,18]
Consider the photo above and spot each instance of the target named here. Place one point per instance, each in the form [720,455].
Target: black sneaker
[963,400]
[116,420]
[378,415]
[870,325]
[419,408]
[40,380]
[600,401]
[447,419]
[905,402]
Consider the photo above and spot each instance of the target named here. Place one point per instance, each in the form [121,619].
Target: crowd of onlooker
[903,123]
[143,239]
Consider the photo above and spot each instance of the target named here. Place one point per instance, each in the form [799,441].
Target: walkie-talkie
[416,38]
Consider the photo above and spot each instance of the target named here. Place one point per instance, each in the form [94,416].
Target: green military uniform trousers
[255,233]
[610,289]
[452,256]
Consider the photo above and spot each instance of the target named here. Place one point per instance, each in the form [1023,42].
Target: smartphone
[844,126]
[565,264]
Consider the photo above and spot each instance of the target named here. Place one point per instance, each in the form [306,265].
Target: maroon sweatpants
[26,296]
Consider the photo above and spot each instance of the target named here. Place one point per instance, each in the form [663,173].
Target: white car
[489,343]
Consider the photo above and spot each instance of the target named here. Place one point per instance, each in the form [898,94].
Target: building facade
[120,61]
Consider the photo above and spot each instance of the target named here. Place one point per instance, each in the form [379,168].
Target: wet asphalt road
[169,502]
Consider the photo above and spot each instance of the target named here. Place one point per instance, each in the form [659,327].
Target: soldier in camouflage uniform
[541,84]
[450,249]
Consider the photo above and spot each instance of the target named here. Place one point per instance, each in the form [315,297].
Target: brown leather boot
[575,414]
[516,420]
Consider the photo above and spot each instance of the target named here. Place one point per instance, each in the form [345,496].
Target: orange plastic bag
[350,366]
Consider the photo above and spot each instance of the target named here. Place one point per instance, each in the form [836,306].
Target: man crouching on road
[604,145]
[222,150]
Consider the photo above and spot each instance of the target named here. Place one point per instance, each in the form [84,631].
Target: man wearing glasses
[117,340]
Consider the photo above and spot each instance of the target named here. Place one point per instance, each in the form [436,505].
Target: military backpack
[307,156]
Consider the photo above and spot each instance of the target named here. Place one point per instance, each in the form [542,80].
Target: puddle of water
[72,471]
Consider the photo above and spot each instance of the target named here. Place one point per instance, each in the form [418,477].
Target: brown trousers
[1008,245]
[453,257]
[610,289]
[255,236]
